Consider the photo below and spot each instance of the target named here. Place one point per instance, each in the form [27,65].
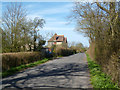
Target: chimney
[55,36]
[55,33]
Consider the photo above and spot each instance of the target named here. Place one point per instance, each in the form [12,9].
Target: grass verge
[98,78]
[22,67]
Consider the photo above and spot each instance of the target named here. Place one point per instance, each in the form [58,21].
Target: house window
[57,37]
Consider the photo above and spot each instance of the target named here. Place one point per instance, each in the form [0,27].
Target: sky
[56,16]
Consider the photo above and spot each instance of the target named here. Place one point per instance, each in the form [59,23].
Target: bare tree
[18,31]
[100,21]
[12,18]
[36,25]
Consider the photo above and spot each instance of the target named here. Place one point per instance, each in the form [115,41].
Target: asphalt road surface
[65,72]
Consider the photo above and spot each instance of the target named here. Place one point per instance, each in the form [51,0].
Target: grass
[98,78]
[60,56]
[22,67]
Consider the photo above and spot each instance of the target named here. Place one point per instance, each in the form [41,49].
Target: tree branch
[102,7]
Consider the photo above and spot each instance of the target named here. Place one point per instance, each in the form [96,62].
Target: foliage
[98,78]
[18,32]
[100,22]
[78,47]
[36,23]
[40,44]
[17,59]
[63,51]
[53,49]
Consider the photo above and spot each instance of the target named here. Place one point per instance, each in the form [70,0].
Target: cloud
[57,28]
[32,16]
[51,19]
[58,10]
[56,23]
[29,6]
[50,11]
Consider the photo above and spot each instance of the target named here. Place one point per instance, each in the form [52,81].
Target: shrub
[10,60]
[98,78]
[107,58]
[64,52]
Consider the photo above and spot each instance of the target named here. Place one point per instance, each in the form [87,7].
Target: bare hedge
[10,60]
[64,52]
[108,59]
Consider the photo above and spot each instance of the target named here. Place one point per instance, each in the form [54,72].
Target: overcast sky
[56,17]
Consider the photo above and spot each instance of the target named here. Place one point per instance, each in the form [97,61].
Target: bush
[48,54]
[107,58]
[64,52]
[10,60]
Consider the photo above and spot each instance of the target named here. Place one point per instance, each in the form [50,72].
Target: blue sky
[56,17]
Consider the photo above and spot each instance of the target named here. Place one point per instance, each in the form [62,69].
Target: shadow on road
[68,69]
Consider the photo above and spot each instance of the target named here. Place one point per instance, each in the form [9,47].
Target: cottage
[58,40]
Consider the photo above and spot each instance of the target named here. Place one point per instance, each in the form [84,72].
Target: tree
[36,24]
[12,19]
[96,20]
[92,18]
[40,44]
[79,45]
[101,23]
[18,32]
[26,27]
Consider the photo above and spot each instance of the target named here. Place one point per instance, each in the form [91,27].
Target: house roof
[58,38]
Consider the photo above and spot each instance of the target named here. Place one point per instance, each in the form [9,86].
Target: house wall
[50,44]
[58,43]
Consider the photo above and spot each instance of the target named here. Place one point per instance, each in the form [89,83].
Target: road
[65,72]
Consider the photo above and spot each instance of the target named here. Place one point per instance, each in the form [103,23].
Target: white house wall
[58,43]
